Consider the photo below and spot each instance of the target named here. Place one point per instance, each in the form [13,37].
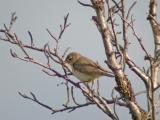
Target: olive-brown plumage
[85,69]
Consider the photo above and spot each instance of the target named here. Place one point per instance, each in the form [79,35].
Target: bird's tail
[110,74]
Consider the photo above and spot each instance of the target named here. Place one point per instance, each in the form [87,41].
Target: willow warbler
[85,69]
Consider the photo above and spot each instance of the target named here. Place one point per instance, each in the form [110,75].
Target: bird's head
[72,58]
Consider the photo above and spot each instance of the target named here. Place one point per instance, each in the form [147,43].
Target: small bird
[85,69]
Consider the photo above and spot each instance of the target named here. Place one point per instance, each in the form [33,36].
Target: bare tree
[116,46]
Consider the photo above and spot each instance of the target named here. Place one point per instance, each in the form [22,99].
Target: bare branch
[115,99]
[131,25]
[31,38]
[115,35]
[135,109]
[12,21]
[136,69]
[152,17]
[124,28]
[68,93]
[124,86]
[84,4]
[72,94]
[130,9]
[138,38]
[64,26]
[34,99]
[13,53]
[116,4]
[52,35]
[72,108]
[117,58]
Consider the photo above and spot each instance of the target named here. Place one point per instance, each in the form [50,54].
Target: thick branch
[152,17]
[124,86]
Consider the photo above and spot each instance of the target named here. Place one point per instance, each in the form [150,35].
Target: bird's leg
[97,89]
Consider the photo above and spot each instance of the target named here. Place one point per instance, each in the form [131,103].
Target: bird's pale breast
[84,77]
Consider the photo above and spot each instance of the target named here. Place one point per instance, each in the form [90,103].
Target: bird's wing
[87,66]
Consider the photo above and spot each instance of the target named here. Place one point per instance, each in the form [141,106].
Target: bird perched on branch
[85,69]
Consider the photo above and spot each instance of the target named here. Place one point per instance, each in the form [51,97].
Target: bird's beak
[68,66]
[64,63]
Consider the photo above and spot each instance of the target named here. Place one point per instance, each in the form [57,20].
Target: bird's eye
[69,58]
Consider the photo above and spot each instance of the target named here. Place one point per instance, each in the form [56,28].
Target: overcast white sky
[81,36]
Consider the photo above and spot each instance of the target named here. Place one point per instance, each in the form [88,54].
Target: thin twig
[72,94]
[31,38]
[20,45]
[68,93]
[12,21]
[64,26]
[84,4]
[34,99]
[130,9]
[52,35]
